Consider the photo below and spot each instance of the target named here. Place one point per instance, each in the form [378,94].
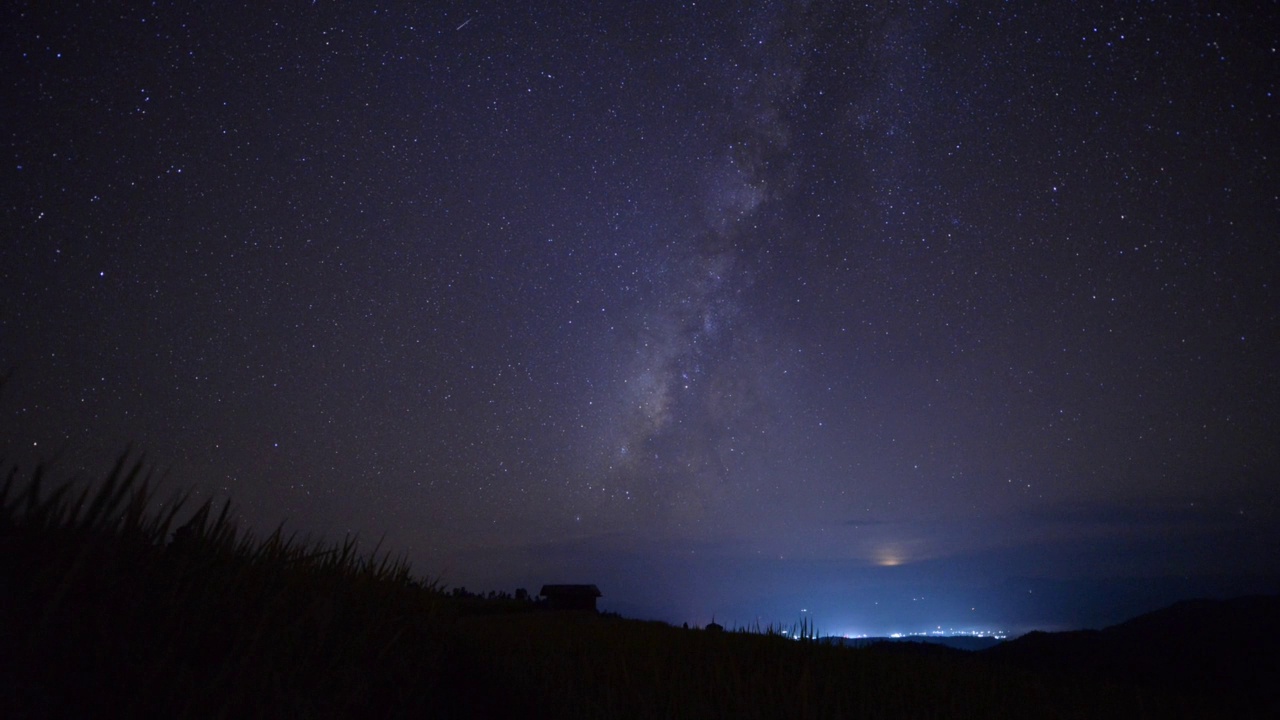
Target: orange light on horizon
[889,557]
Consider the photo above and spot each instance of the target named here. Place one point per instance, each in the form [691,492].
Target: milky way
[901,314]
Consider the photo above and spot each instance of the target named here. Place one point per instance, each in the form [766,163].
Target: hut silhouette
[571,597]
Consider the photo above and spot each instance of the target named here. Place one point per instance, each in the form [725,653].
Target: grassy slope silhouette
[114,609]
[1211,648]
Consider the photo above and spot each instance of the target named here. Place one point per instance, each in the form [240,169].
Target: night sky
[898,315]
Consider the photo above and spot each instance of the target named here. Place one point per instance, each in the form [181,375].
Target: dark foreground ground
[106,614]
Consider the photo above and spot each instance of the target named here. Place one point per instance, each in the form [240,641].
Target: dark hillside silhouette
[109,610]
[1206,647]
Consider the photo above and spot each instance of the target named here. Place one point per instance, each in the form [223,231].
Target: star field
[895,313]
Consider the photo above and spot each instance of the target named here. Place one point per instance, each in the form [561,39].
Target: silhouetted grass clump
[215,622]
[118,605]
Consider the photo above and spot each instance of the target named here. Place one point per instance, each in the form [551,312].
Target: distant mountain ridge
[1203,647]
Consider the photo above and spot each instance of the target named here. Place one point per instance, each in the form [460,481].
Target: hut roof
[570,591]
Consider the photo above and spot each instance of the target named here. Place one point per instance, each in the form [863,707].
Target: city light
[937,632]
